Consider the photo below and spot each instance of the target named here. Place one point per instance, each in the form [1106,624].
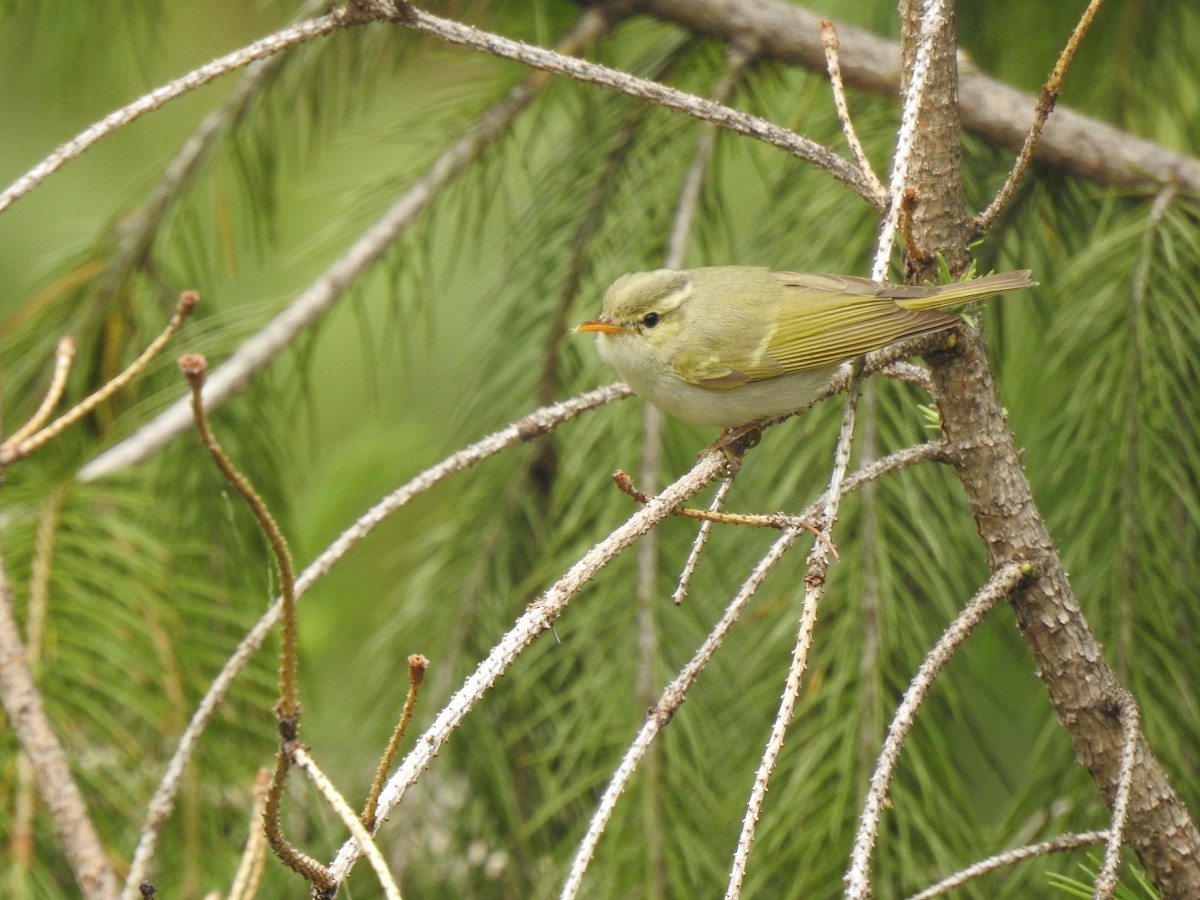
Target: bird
[728,346]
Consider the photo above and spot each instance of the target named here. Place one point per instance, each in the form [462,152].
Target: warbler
[731,345]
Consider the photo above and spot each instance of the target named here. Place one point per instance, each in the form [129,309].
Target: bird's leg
[734,442]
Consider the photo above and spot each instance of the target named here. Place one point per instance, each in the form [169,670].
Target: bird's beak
[602,325]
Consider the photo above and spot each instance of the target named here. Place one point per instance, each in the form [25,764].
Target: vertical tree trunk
[1089,700]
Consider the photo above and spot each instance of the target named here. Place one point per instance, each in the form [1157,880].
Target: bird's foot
[734,442]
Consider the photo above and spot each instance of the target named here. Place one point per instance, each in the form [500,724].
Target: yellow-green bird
[731,345]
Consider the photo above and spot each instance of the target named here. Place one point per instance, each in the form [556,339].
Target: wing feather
[815,326]
[808,323]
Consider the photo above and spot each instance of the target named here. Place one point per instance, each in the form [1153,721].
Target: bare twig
[268,46]
[538,617]
[829,40]
[10,453]
[622,82]
[693,560]
[248,878]
[708,516]
[73,829]
[330,285]
[194,367]
[304,761]
[1108,878]
[287,707]
[1082,145]
[21,835]
[814,579]
[932,19]
[670,701]
[1060,844]
[909,373]
[63,356]
[675,693]
[1045,106]
[291,856]
[999,586]
[537,423]
[417,664]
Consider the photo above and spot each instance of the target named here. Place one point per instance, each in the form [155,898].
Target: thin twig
[539,422]
[260,349]
[661,714]
[248,878]
[932,20]
[1045,106]
[1108,879]
[538,617]
[21,838]
[677,691]
[814,580]
[260,49]
[1000,585]
[183,309]
[1060,844]
[64,354]
[693,560]
[622,82]
[194,367]
[287,707]
[763,520]
[304,761]
[74,831]
[829,40]
[291,856]
[909,373]
[417,664]
[871,664]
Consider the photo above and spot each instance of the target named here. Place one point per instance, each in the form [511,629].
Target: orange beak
[601,325]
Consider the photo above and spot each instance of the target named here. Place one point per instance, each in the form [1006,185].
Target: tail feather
[945,295]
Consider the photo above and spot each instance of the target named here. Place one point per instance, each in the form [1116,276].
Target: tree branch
[1083,146]
[1085,691]
[73,829]
[538,617]
[256,352]
[1087,696]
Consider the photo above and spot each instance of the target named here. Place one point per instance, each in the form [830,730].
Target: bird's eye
[650,319]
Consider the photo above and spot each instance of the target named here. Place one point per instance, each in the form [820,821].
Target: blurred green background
[156,572]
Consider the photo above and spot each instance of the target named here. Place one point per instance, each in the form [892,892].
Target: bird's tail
[944,295]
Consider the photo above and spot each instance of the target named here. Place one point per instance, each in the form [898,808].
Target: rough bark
[1086,694]
[1085,691]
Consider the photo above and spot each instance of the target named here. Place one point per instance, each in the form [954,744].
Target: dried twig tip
[193,366]
[187,302]
[417,664]
[829,38]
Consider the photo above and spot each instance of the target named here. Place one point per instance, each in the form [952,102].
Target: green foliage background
[156,573]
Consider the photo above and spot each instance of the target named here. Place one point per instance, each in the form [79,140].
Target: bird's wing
[815,326]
